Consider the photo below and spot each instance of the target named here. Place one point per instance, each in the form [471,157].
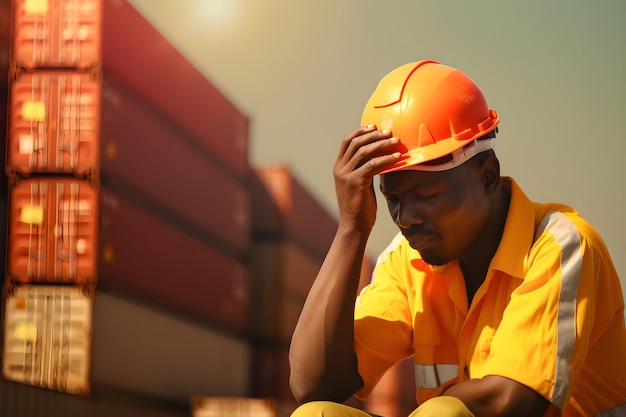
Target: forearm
[323,364]
[498,396]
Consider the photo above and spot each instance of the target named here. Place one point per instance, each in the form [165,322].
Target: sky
[302,71]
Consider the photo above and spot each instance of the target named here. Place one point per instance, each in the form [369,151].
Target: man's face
[441,214]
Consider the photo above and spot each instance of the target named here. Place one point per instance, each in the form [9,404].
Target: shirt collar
[519,229]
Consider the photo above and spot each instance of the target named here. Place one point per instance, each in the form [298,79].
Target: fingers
[369,148]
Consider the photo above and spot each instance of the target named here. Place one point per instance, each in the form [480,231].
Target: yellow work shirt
[549,315]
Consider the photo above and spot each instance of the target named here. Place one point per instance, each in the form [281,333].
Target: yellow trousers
[435,407]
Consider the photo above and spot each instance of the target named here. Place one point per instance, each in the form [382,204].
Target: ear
[490,174]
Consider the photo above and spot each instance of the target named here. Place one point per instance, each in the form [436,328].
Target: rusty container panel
[47,337]
[143,256]
[155,157]
[152,353]
[233,407]
[53,225]
[138,55]
[304,219]
[54,123]
[57,33]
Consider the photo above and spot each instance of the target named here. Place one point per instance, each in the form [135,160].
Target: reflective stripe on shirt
[432,376]
[566,235]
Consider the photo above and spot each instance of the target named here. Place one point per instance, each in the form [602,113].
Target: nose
[406,215]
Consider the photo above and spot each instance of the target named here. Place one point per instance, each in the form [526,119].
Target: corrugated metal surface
[143,256]
[53,225]
[137,54]
[143,350]
[54,123]
[57,33]
[47,337]
[304,219]
[233,407]
[154,156]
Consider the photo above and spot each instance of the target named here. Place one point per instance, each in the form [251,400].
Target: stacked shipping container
[47,329]
[117,150]
[129,224]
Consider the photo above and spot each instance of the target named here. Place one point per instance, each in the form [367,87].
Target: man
[509,307]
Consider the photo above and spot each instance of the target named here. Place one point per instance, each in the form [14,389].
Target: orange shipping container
[54,123]
[53,231]
[57,33]
[47,337]
[65,230]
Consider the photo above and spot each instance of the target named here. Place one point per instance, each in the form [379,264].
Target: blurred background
[303,71]
[169,195]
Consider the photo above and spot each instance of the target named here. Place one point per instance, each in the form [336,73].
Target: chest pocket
[436,359]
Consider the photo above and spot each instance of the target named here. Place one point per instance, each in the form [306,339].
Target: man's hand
[362,154]
[321,356]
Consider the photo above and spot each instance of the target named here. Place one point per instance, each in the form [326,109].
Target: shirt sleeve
[383,325]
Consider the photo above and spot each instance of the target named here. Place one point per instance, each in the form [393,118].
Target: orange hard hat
[433,109]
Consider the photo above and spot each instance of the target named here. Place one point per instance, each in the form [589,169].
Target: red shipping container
[138,55]
[54,123]
[57,33]
[303,219]
[143,256]
[57,225]
[53,227]
[151,155]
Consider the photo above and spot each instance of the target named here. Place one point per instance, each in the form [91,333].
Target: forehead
[402,181]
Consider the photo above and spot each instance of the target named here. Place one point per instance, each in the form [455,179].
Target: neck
[476,264]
